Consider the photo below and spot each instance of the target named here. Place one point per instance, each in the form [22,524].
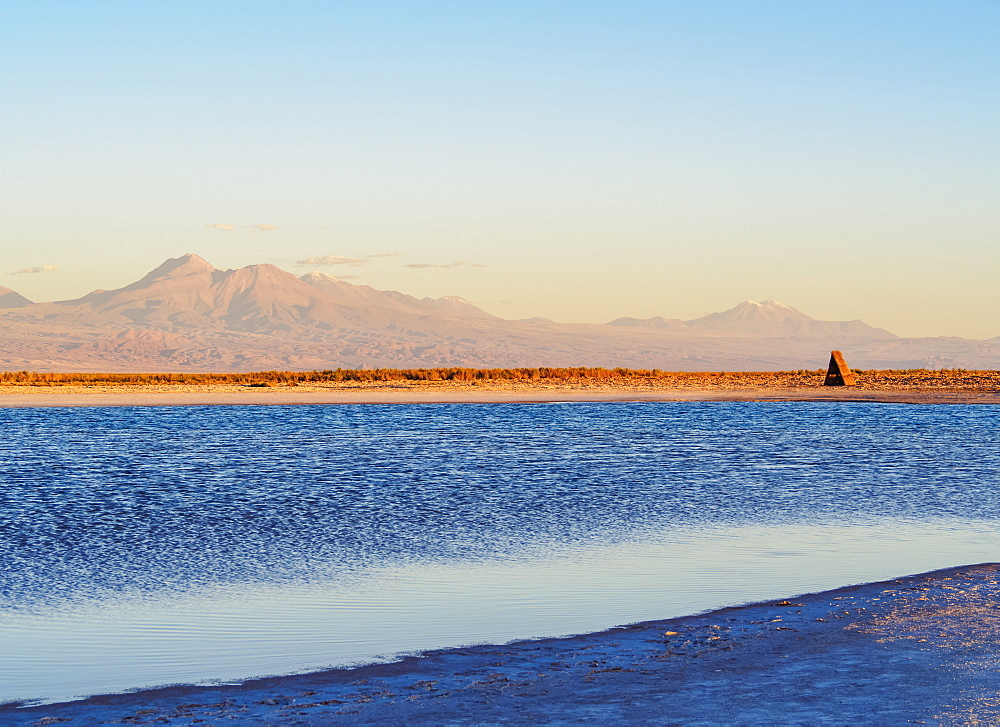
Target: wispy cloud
[37,269]
[331,260]
[384,254]
[226,227]
[456,264]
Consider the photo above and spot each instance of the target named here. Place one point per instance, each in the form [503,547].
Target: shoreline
[14,396]
[911,648]
[447,386]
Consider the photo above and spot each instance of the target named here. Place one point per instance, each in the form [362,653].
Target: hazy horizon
[576,161]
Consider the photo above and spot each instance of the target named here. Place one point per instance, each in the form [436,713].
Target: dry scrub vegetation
[517,378]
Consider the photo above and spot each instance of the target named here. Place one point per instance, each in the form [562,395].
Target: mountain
[186,315]
[188,293]
[771,318]
[766,319]
[12,299]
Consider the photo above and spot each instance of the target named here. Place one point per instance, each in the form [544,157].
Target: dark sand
[917,649]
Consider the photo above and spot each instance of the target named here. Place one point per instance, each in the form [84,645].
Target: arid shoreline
[270,388]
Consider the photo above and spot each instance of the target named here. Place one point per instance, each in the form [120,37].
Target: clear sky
[575,160]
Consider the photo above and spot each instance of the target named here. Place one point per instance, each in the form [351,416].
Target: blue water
[142,546]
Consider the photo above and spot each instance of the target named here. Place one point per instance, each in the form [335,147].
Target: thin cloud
[226,227]
[331,260]
[37,269]
[384,254]
[456,264]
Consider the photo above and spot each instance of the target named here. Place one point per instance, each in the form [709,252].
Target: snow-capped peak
[317,275]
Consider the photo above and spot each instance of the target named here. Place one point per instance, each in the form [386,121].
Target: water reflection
[233,632]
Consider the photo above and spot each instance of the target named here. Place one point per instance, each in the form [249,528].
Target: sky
[578,160]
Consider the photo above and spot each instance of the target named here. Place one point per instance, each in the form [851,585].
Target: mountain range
[186,315]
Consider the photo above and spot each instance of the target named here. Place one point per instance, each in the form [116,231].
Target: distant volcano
[768,318]
[187,293]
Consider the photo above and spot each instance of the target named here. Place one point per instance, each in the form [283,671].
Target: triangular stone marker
[838,374]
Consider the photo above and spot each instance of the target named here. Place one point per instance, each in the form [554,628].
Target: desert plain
[906,386]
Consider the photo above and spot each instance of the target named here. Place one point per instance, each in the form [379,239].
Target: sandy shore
[922,648]
[460,392]
[917,387]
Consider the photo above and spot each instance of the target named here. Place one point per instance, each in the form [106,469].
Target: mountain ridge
[186,315]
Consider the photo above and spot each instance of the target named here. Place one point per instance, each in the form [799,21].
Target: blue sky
[576,160]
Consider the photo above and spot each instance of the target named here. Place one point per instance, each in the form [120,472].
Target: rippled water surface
[144,546]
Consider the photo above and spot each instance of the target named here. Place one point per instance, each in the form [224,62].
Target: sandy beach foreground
[918,649]
[926,387]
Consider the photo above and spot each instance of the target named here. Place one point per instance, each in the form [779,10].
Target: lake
[149,546]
